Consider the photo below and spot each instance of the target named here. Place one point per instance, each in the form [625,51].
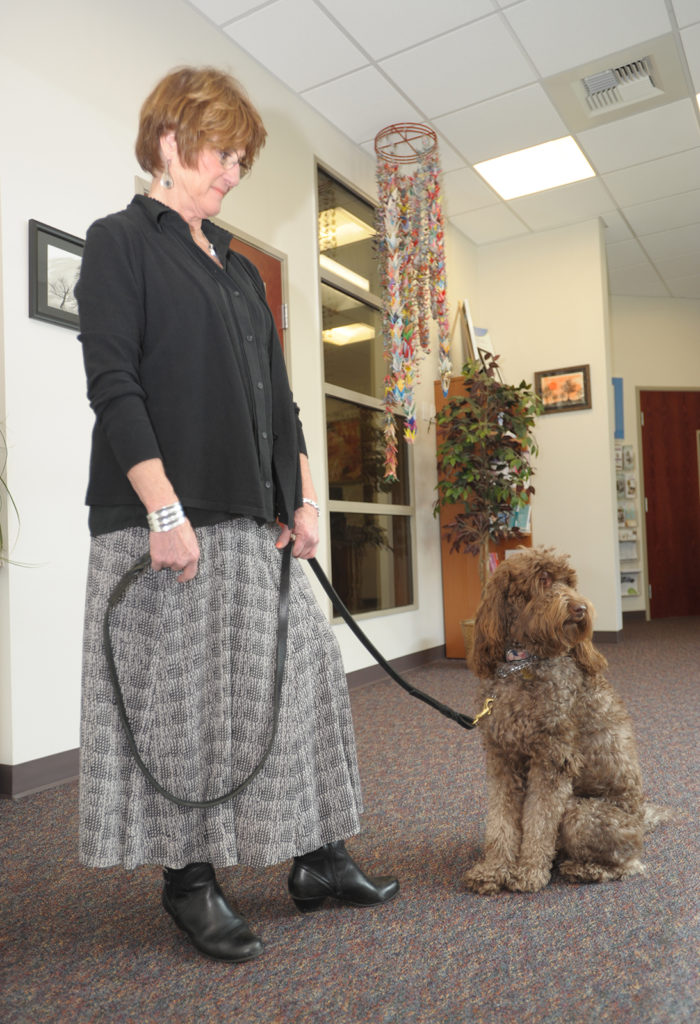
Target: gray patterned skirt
[196,664]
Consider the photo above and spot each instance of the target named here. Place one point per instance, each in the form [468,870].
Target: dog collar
[516,659]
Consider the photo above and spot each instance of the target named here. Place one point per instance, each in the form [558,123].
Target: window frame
[367,298]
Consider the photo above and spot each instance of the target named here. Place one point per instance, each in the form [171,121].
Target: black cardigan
[183,363]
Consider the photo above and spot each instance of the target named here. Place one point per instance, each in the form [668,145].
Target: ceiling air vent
[620,87]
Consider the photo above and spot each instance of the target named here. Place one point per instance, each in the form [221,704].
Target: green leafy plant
[486,444]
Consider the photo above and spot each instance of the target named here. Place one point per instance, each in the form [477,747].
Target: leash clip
[486,710]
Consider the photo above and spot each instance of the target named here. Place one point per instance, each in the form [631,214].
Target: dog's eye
[545,579]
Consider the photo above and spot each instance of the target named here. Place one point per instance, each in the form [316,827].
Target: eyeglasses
[229,160]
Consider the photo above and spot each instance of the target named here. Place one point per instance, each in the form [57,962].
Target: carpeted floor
[89,947]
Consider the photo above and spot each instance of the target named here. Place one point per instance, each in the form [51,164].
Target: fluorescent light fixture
[536,169]
[340,271]
[348,334]
[337,227]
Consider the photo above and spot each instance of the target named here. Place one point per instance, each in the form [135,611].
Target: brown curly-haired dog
[564,781]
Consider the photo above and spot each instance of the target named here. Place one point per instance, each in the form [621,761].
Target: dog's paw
[485,879]
[581,871]
[528,879]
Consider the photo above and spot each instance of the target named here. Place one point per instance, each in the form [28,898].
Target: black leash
[456,716]
[282,626]
[144,563]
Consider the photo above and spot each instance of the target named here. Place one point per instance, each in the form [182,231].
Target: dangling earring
[166,178]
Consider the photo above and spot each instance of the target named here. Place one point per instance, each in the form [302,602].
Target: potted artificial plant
[485,447]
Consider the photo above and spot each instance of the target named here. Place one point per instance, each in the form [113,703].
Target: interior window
[371,521]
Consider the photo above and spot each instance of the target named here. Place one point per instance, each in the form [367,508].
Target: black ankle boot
[195,902]
[331,871]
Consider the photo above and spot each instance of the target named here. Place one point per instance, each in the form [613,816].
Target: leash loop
[115,597]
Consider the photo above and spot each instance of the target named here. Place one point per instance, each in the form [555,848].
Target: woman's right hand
[176,549]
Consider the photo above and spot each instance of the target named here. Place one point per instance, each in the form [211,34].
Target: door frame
[281,257]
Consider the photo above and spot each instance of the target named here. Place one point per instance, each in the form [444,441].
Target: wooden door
[270,268]
[670,454]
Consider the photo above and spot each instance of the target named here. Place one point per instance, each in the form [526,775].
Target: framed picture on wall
[565,390]
[54,268]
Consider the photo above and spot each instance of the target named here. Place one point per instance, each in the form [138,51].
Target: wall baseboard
[607,636]
[374,673]
[18,780]
[637,616]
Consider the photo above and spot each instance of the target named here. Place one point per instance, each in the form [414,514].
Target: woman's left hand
[304,536]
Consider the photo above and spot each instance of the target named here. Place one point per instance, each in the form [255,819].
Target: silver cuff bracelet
[166,518]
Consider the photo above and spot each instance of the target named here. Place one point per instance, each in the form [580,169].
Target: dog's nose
[577,612]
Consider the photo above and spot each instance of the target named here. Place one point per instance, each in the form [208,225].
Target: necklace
[209,245]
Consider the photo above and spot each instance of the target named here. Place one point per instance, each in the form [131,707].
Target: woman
[197,450]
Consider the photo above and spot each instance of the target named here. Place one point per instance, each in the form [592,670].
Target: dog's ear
[589,659]
[491,626]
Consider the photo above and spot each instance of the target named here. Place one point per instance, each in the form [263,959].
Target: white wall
[544,299]
[655,344]
[72,79]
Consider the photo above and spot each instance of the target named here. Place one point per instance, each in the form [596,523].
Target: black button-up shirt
[183,363]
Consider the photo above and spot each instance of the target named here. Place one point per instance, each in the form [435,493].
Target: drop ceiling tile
[642,137]
[687,11]
[656,179]
[681,266]
[685,287]
[461,67]
[638,280]
[319,52]
[691,45]
[569,204]
[492,224]
[221,11]
[449,159]
[361,104]
[624,254]
[670,244]
[505,124]
[560,34]
[663,214]
[464,190]
[391,25]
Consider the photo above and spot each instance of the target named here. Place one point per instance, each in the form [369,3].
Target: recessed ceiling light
[340,271]
[348,334]
[338,227]
[536,169]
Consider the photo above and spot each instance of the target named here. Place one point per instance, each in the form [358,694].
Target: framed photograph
[54,268]
[565,390]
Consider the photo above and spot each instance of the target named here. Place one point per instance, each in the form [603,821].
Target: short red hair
[202,106]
